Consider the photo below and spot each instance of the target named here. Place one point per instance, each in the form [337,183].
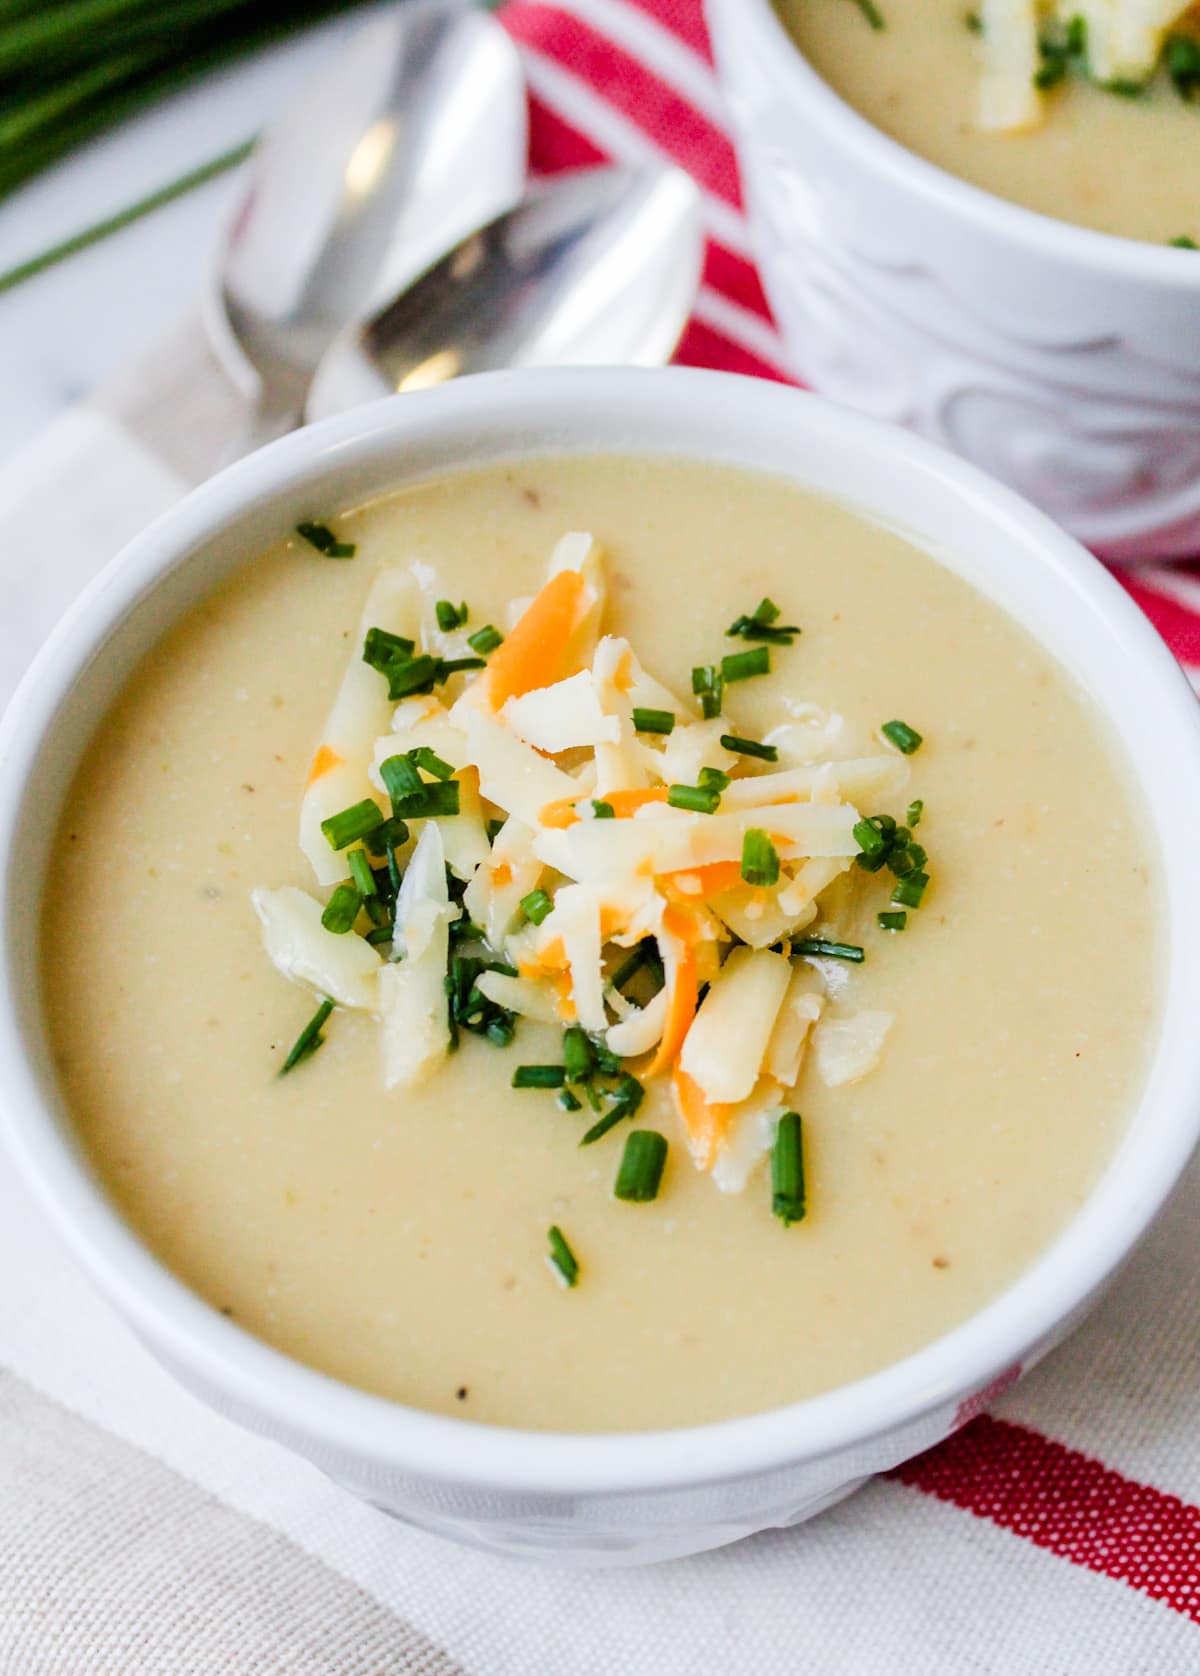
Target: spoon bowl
[590,269]
[405,140]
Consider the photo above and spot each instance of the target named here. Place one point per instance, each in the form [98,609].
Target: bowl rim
[308,1408]
[1084,247]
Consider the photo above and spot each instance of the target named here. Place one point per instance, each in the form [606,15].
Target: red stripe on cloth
[703,346]
[736,278]
[1070,1505]
[662,114]
[554,145]
[684,18]
[1179,627]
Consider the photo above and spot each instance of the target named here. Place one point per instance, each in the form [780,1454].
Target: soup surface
[397,1240]
[1117,164]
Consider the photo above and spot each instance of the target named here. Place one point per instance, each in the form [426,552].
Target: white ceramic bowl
[604,1499]
[1065,362]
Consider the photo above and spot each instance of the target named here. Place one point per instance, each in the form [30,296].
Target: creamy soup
[398,1239]
[1119,164]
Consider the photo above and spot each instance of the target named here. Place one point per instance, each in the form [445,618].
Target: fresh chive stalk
[640,1173]
[741,666]
[360,820]
[341,911]
[485,640]
[626,1099]
[539,1076]
[709,687]
[749,748]
[577,1054]
[536,906]
[326,543]
[903,737]
[602,811]
[871,12]
[914,812]
[892,921]
[424,757]
[382,649]
[763,624]
[449,615]
[701,800]
[653,721]
[568,1102]
[363,874]
[400,778]
[787,1171]
[760,859]
[822,947]
[910,890]
[561,1258]
[309,1039]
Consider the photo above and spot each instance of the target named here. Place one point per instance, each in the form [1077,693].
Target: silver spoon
[410,136]
[594,268]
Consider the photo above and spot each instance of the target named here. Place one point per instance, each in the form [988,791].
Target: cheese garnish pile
[1124,38]
[535,739]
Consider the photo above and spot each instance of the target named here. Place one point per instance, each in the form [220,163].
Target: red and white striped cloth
[142,1534]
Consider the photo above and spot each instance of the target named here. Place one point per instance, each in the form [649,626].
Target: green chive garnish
[903,737]
[871,12]
[653,721]
[341,911]
[1181,55]
[602,811]
[326,543]
[760,859]
[536,906]
[1183,242]
[424,757]
[446,667]
[561,1258]
[485,640]
[749,748]
[309,1039]
[494,829]
[412,676]
[567,1101]
[360,820]
[830,951]
[626,1098]
[740,666]
[450,616]
[641,1168]
[381,649]
[892,922]
[787,1171]
[577,1054]
[539,1076]
[763,624]
[871,841]
[380,934]
[400,778]
[645,955]
[713,779]
[362,873]
[701,800]
[910,890]
[914,812]
[709,688]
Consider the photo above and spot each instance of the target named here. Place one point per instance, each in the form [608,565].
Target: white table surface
[68,329]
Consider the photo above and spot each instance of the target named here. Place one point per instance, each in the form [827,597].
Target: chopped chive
[653,721]
[424,757]
[449,615]
[539,1076]
[870,840]
[916,854]
[709,687]
[641,1167]
[749,748]
[903,737]
[602,811]
[362,873]
[568,1102]
[326,543]
[901,863]
[606,1059]
[713,779]
[400,779]
[892,922]
[309,1039]
[1183,242]
[974,22]
[787,1171]
[763,624]
[871,12]
[910,890]
[446,667]
[740,666]
[1181,55]
[577,1054]
[436,797]
[381,649]
[380,934]
[536,906]
[760,859]
[414,675]
[626,1099]
[494,828]
[830,951]
[341,911]
[394,834]
[360,820]
[485,640]
[701,800]
[914,812]
[644,955]
[561,1258]
[501,1028]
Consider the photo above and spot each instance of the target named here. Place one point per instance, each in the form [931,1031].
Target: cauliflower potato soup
[599,944]
[1086,110]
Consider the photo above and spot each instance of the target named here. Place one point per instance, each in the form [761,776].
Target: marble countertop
[69,329]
